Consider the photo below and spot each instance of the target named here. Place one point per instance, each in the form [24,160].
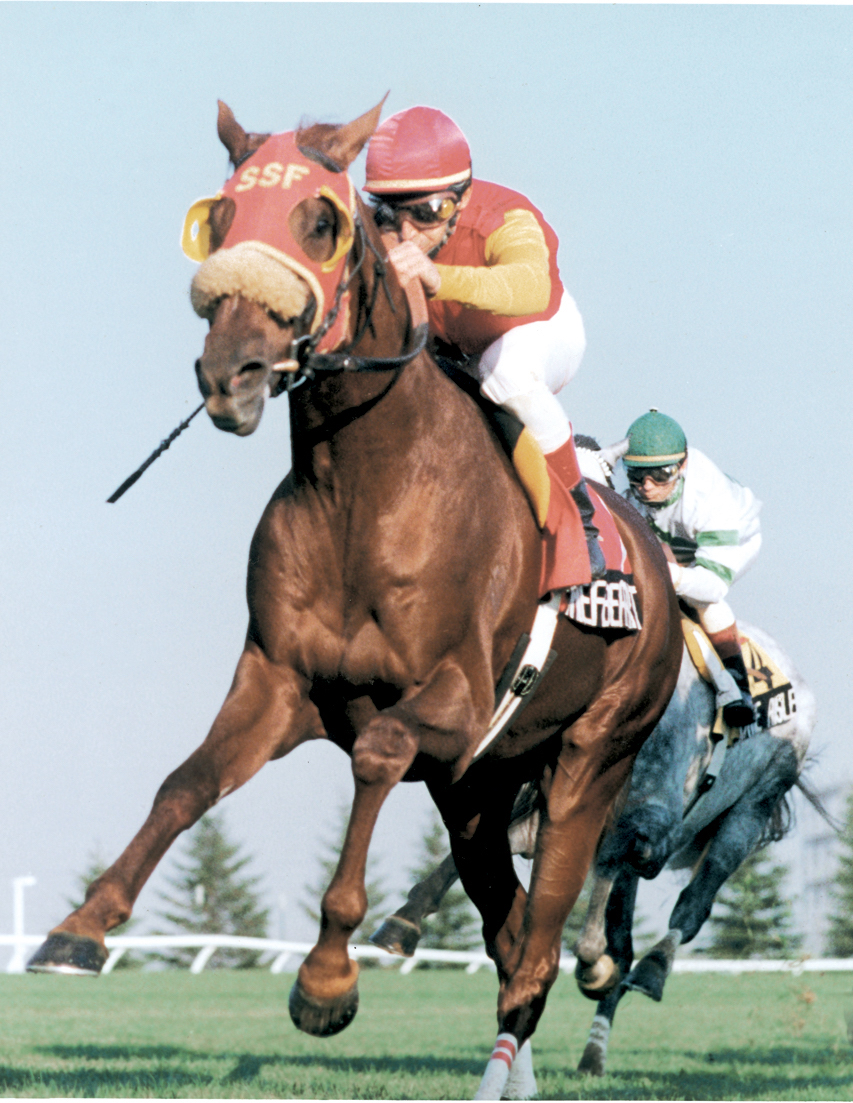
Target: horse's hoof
[598,979]
[397,936]
[648,977]
[322,1018]
[72,954]
[592,1061]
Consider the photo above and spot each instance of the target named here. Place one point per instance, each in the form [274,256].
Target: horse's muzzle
[235,399]
[235,414]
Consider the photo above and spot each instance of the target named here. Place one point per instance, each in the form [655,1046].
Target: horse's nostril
[252,366]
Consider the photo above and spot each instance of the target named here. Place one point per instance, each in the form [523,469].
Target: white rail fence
[282,954]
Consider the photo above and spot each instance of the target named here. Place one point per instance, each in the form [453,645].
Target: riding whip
[164,444]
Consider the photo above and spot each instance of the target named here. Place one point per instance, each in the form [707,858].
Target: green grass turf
[424,1036]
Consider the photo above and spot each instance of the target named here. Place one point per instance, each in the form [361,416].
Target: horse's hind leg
[400,932]
[264,715]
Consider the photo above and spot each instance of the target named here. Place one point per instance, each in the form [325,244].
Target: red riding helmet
[417,150]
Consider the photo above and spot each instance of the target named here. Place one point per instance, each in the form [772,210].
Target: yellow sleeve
[516,278]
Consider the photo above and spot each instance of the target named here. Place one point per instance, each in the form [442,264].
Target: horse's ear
[239,143]
[231,134]
[342,144]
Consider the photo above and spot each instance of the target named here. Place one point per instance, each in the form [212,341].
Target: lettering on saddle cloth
[772,692]
[608,604]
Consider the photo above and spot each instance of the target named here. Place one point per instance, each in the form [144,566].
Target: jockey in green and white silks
[708,521]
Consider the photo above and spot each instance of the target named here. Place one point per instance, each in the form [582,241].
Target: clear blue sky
[696,164]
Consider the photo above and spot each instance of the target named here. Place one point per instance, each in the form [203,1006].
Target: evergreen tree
[373,883]
[456,925]
[91,873]
[211,896]
[755,919]
[840,933]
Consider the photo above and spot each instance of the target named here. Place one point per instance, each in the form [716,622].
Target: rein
[306,362]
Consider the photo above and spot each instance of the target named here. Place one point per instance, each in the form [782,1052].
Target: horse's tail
[780,821]
[782,818]
[812,796]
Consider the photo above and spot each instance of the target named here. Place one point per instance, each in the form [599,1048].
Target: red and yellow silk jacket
[498,270]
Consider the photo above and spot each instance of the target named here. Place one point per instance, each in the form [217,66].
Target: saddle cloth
[770,688]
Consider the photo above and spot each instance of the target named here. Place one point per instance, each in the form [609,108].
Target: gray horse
[683,810]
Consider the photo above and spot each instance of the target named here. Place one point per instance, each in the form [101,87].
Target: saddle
[771,690]
[607,605]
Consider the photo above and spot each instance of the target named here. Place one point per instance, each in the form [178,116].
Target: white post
[17,962]
[202,958]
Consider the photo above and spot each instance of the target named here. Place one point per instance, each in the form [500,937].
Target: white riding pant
[525,368]
[716,615]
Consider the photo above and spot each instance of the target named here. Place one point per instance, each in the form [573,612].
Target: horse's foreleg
[263,716]
[594,968]
[734,840]
[324,998]
[649,974]
[598,976]
[400,932]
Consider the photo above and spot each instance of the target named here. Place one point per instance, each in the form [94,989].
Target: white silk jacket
[711,524]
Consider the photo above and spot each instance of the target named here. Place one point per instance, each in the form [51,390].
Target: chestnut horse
[390,578]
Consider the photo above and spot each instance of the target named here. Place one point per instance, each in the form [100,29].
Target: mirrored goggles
[426,212]
[660,475]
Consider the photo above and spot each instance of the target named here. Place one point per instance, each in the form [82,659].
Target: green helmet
[655,440]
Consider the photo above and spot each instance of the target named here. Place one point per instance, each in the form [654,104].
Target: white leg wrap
[599,1033]
[521,1083]
[497,1070]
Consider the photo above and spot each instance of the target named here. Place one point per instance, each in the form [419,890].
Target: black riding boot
[586,510]
[739,714]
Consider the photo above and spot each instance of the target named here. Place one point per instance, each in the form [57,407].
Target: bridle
[305,362]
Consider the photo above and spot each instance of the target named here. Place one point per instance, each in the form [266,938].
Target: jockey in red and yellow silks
[488,262]
[498,270]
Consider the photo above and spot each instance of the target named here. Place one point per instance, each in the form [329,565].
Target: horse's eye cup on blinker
[195,235]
